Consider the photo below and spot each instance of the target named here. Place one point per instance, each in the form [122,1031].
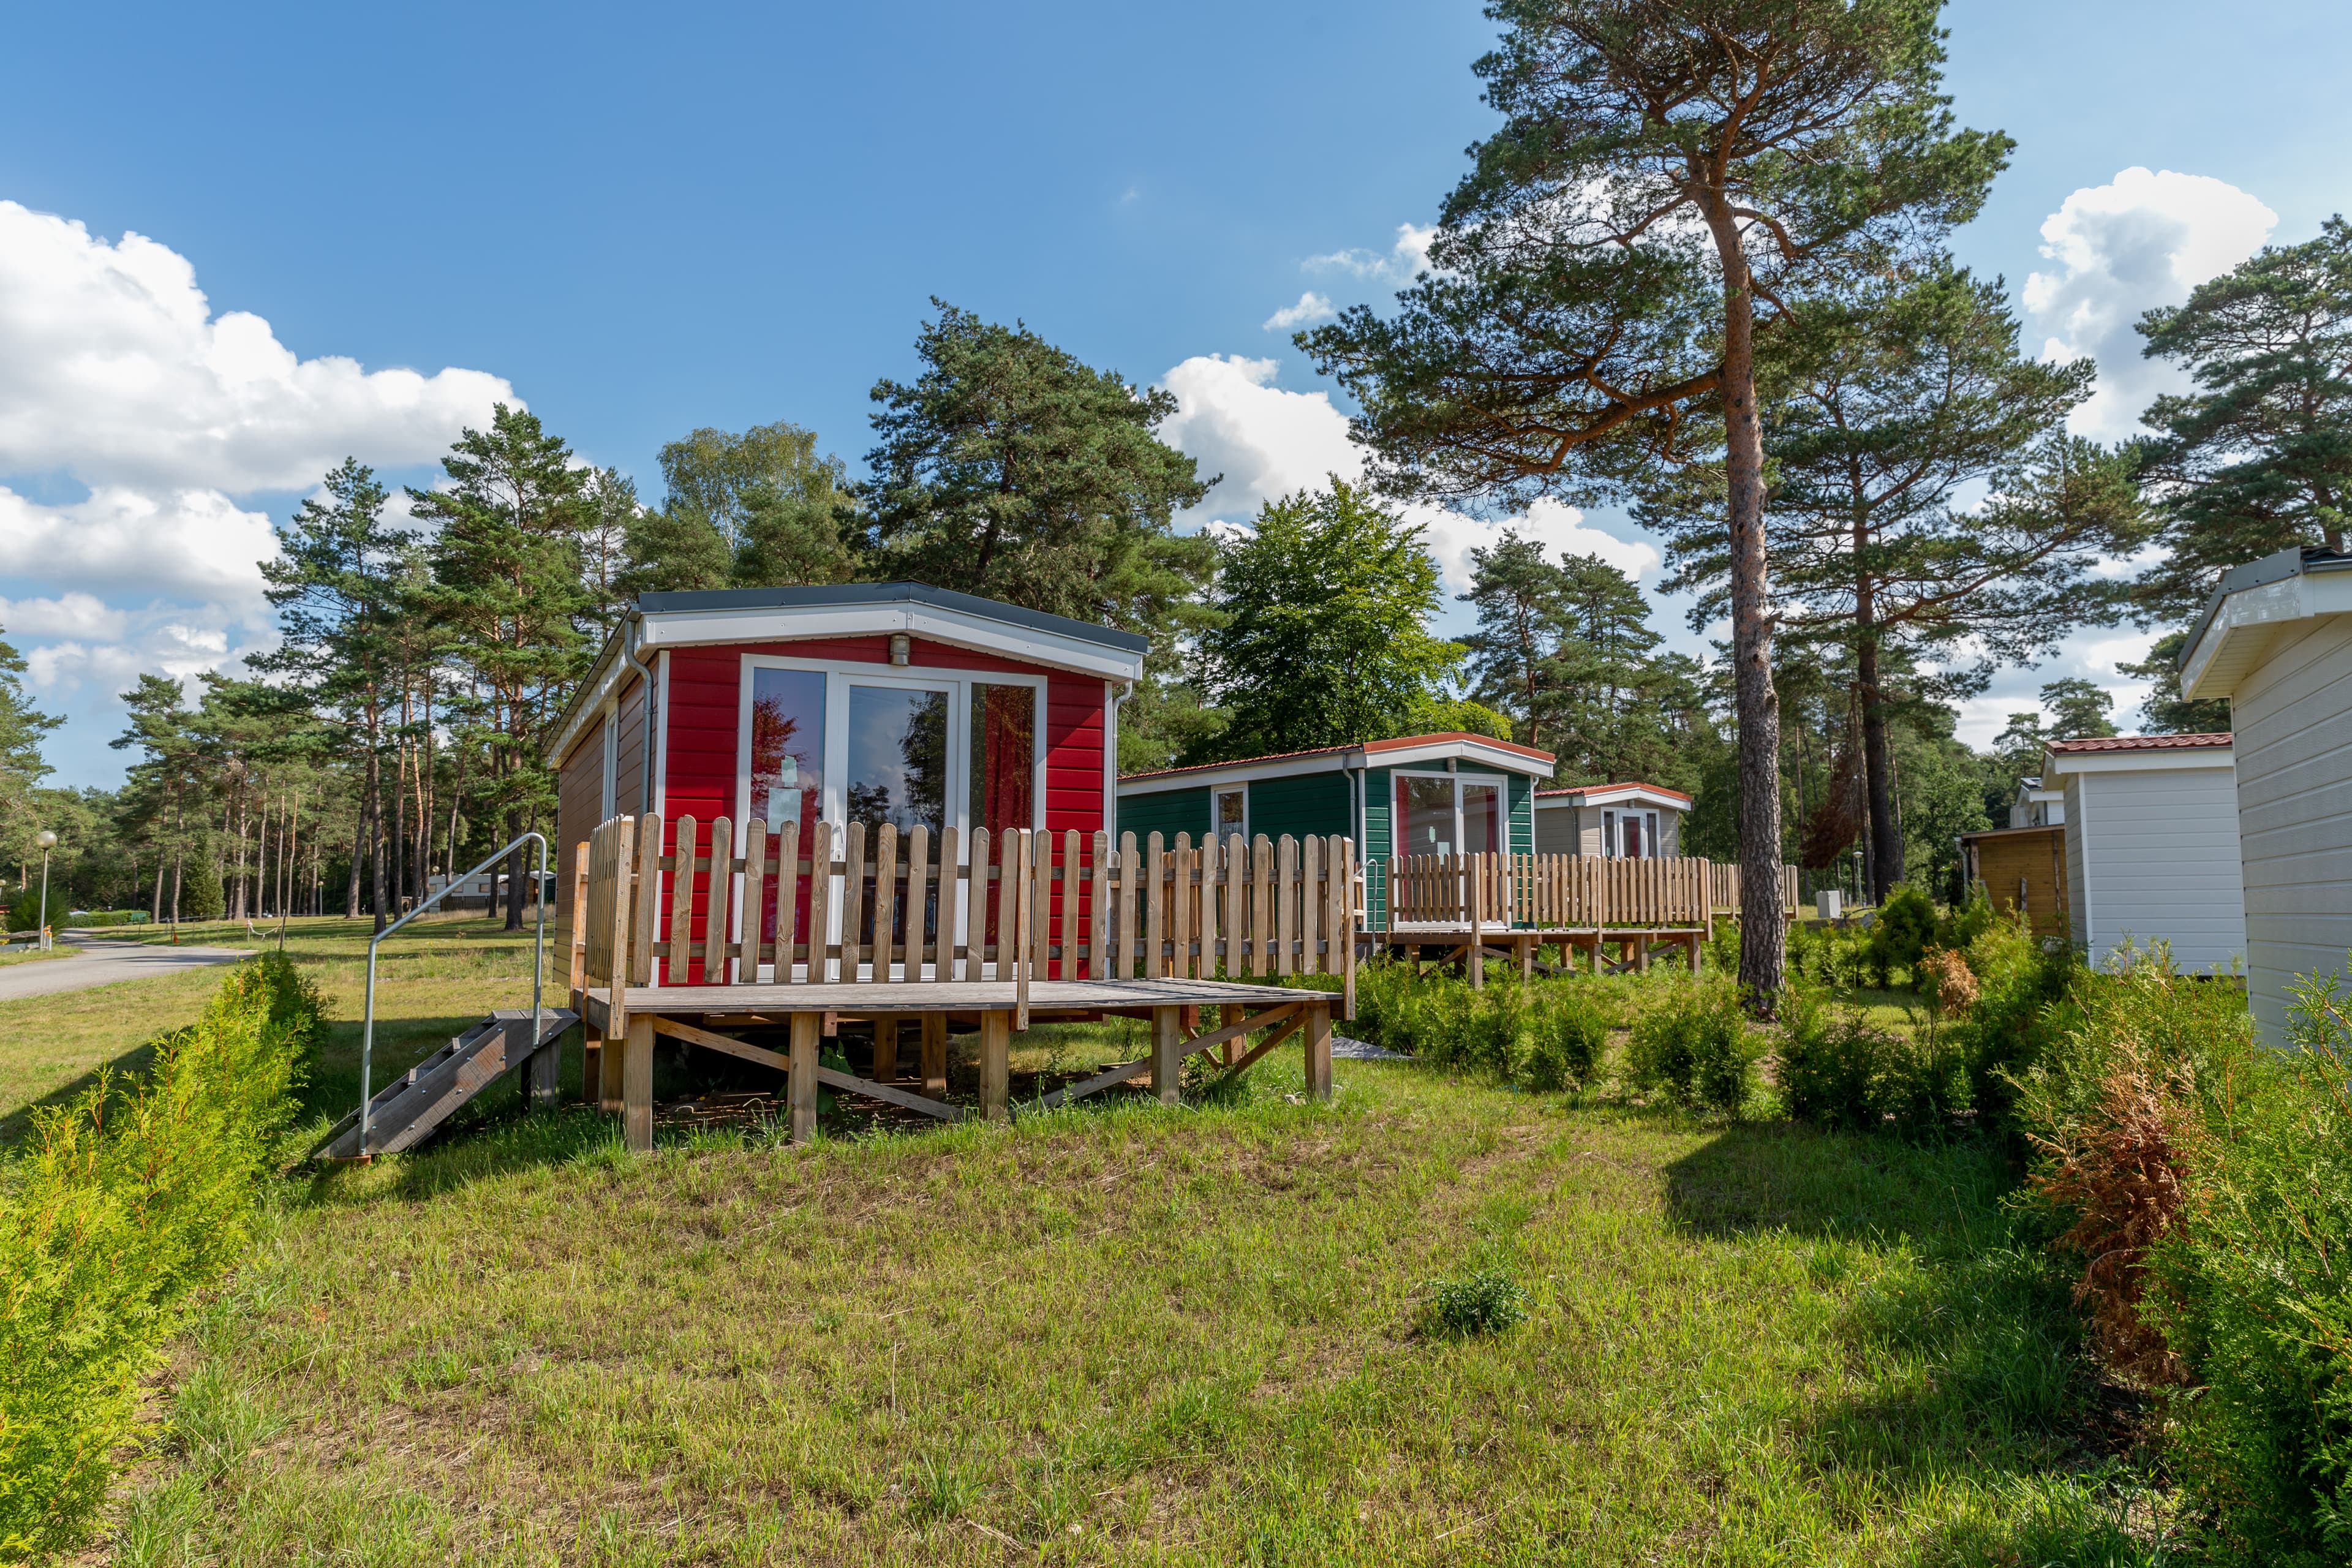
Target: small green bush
[1900,936]
[1487,1302]
[24,914]
[2022,1007]
[1567,1030]
[1836,1071]
[1690,1042]
[124,1204]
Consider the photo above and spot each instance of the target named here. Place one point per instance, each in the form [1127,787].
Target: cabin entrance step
[407,1111]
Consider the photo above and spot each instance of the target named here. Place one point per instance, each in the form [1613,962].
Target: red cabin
[892,702]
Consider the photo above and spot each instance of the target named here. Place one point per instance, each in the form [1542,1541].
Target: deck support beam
[800,1090]
[886,1047]
[637,1085]
[996,1065]
[1167,1054]
[1318,1052]
[934,1028]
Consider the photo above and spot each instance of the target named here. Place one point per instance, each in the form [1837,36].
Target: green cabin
[1449,794]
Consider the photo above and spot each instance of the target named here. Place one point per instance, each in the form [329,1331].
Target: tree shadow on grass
[1953,1313]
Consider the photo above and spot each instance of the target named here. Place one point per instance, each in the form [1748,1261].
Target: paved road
[103,962]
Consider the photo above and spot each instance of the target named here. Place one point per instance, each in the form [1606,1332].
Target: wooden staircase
[407,1111]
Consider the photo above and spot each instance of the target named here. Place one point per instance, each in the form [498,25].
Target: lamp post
[44,841]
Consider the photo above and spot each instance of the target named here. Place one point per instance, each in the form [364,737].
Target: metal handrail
[537,966]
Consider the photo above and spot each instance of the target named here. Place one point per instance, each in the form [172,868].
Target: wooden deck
[1046,926]
[623,1062]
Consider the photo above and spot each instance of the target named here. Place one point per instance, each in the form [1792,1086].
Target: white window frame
[1218,791]
[833,805]
[1499,783]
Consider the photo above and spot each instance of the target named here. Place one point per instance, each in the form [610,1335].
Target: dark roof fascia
[822,596]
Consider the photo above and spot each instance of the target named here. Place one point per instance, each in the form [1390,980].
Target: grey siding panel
[1556,830]
[1166,812]
[2293,722]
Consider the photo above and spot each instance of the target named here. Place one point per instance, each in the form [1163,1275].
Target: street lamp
[44,841]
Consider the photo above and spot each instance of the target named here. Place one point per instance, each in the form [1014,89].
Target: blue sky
[642,221]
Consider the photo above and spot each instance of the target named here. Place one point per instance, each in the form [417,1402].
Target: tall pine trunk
[1762,953]
[1877,770]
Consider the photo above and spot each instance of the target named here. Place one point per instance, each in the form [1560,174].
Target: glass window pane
[1424,814]
[1481,819]
[787,759]
[1632,835]
[1231,812]
[1003,757]
[897,757]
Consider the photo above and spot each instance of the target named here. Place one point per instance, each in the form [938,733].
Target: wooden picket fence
[923,909]
[1554,893]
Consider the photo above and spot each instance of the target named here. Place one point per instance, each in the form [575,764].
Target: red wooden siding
[705,708]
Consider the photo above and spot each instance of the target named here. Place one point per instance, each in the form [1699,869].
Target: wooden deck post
[1318,1051]
[1690,945]
[996,1065]
[1167,1054]
[800,1091]
[935,1053]
[886,1047]
[638,1086]
[544,1077]
[611,1060]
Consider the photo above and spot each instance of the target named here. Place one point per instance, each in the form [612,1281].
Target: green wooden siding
[1303,805]
[1379,841]
[1166,812]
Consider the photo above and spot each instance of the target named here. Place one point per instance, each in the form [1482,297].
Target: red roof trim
[1399,743]
[2210,740]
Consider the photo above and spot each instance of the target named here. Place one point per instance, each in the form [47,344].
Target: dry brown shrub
[2117,1171]
[1949,981]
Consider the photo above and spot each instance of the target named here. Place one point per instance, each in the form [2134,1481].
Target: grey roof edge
[2295,561]
[815,595]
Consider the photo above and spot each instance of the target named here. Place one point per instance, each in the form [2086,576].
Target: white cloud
[1311,307]
[189,544]
[113,369]
[115,373]
[1405,261]
[1268,443]
[2141,241]
[2092,654]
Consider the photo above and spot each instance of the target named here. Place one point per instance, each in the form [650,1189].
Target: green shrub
[123,1203]
[1487,1302]
[1567,1031]
[1690,1042]
[24,914]
[1899,937]
[2021,1008]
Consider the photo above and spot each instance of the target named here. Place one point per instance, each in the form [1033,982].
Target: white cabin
[2152,845]
[2276,640]
[2037,804]
[1619,821]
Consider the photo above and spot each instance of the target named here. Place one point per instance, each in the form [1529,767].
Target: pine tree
[2259,457]
[1011,470]
[1670,176]
[507,582]
[339,586]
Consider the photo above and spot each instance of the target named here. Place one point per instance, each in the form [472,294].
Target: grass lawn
[1120,1333]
